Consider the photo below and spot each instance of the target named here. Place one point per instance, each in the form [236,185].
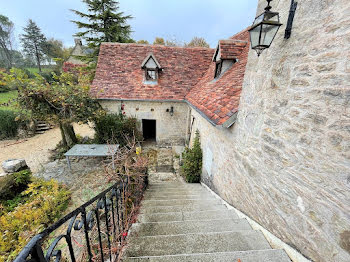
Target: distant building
[78,50]
[73,61]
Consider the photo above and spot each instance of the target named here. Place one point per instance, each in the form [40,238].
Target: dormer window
[226,55]
[151,74]
[152,69]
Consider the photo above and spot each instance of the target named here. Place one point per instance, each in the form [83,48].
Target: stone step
[203,197]
[180,188]
[42,128]
[177,202]
[187,216]
[196,243]
[187,227]
[42,124]
[161,176]
[178,191]
[171,192]
[165,168]
[268,255]
[174,184]
[181,208]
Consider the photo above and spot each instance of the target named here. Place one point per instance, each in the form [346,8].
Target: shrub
[115,129]
[13,184]
[45,202]
[192,161]
[8,124]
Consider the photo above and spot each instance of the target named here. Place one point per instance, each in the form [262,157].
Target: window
[151,74]
[152,68]
[218,69]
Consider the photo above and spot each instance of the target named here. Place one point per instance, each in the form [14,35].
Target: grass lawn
[5,98]
[36,70]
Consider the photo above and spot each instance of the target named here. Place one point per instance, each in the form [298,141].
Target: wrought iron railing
[95,231]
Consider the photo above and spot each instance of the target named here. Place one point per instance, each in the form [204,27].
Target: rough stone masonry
[286,161]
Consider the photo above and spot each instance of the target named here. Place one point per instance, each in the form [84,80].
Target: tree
[34,42]
[64,101]
[6,31]
[105,24]
[168,42]
[172,42]
[145,42]
[159,41]
[197,42]
[56,51]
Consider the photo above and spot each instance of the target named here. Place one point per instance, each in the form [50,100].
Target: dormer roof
[150,62]
[229,49]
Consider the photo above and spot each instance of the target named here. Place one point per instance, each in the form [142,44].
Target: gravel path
[35,150]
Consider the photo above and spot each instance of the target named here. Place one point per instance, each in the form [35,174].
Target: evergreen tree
[34,42]
[104,24]
[192,161]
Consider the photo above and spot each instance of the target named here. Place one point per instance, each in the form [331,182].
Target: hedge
[8,124]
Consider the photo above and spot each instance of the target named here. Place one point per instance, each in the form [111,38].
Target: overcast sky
[179,19]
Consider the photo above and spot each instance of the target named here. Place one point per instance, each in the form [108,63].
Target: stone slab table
[93,150]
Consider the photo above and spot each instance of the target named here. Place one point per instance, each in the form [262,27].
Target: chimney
[77,41]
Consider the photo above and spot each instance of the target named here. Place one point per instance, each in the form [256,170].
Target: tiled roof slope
[231,48]
[119,74]
[219,99]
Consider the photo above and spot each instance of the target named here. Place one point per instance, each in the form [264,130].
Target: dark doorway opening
[149,129]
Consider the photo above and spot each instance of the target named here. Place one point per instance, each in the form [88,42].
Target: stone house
[79,50]
[274,129]
[160,85]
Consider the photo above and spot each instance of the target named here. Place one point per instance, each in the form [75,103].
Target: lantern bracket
[293,7]
[268,7]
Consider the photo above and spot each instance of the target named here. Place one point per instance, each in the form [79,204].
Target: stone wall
[286,161]
[170,130]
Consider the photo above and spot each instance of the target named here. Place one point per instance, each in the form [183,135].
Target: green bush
[44,203]
[13,184]
[115,129]
[192,162]
[8,124]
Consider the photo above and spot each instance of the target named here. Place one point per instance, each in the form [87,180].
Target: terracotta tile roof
[119,74]
[231,48]
[188,73]
[219,99]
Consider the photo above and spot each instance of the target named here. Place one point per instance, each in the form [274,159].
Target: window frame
[218,69]
[148,78]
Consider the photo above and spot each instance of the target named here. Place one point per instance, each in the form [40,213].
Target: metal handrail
[108,215]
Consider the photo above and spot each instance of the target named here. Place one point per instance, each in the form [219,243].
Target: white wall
[170,130]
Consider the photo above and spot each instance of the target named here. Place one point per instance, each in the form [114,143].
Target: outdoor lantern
[264,29]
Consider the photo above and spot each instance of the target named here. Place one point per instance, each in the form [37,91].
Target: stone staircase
[163,168]
[185,222]
[41,127]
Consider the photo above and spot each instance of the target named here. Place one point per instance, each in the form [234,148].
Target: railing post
[86,231]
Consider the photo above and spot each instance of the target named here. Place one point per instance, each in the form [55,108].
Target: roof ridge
[240,32]
[162,46]
[234,40]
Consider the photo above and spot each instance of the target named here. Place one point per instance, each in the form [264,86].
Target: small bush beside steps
[192,162]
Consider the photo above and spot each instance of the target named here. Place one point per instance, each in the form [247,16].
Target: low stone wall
[170,130]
